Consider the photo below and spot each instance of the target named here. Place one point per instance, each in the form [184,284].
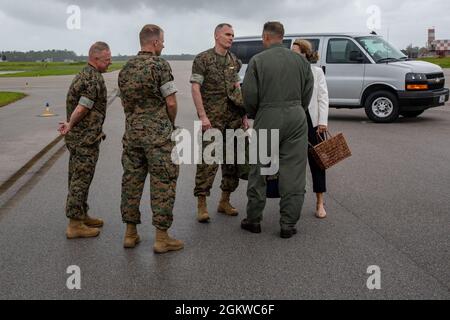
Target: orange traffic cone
[47,112]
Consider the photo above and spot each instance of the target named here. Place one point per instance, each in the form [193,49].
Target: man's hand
[245,123]
[206,124]
[322,129]
[64,128]
[77,115]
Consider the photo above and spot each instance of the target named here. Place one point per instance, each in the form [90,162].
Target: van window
[245,50]
[314,42]
[339,51]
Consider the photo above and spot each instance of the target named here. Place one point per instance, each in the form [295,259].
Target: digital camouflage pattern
[83,141]
[88,84]
[224,108]
[140,83]
[206,175]
[144,83]
[218,76]
[82,162]
[137,163]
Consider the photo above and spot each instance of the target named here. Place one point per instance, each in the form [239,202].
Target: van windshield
[380,50]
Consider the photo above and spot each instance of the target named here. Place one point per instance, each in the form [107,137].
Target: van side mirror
[356,56]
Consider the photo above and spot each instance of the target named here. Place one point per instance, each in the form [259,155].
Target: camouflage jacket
[89,90]
[219,93]
[144,83]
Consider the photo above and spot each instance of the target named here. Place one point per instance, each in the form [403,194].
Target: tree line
[66,55]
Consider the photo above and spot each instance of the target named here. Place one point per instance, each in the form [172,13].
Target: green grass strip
[10,97]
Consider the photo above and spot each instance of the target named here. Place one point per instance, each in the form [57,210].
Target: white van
[365,71]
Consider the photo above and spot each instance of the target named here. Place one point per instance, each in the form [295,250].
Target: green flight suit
[277,90]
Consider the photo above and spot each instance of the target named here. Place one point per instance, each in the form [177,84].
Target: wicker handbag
[330,151]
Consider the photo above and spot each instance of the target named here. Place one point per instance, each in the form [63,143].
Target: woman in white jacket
[317,116]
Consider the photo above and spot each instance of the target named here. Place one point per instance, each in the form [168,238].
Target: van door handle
[324,68]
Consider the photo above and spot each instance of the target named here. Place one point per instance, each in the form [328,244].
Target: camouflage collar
[146,53]
[215,52]
[228,57]
[90,66]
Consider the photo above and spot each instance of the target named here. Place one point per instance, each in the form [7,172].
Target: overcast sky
[39,25]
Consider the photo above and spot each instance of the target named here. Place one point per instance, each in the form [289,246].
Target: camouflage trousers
[82,162]
[206,174]
[138,162]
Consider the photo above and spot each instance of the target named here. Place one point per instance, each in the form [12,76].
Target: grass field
[442,62]
[10,97]
[42,69]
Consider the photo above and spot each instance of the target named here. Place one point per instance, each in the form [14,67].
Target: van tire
[411,114]
[382,107]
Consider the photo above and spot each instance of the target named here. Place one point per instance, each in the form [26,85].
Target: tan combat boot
[77,229]
[202,213]
[164,243]
[225,206]
[131,237]
[93,222]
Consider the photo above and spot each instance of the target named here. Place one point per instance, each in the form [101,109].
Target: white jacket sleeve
[322,98]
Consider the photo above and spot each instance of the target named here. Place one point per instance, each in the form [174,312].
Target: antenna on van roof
[374,33]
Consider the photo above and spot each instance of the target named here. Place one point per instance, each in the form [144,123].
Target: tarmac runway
[388,206]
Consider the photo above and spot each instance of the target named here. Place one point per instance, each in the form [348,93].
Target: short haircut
[274,28]
[97,48]
[220,26]
[148,33]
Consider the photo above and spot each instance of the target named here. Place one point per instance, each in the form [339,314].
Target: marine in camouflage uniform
[144,83]
[222,101]
[83,140]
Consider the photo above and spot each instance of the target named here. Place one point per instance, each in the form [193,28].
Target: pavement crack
[389,243]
